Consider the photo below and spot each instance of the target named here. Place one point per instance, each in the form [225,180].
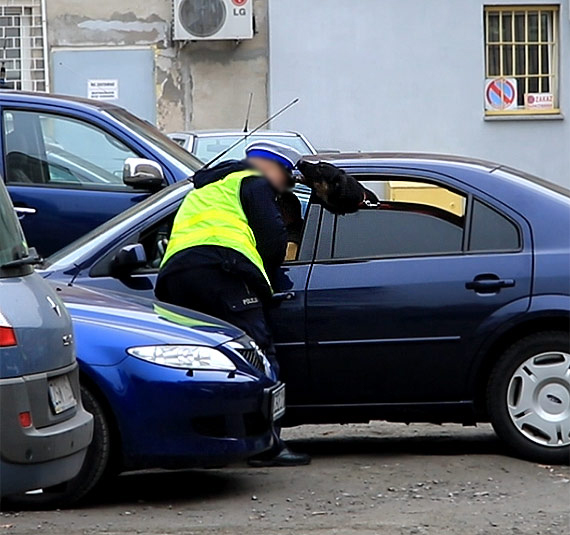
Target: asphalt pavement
[387,479]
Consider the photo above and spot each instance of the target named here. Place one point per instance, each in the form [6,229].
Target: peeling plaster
[160,28]
[197,84]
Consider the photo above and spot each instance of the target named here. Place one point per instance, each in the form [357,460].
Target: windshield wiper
[32,259]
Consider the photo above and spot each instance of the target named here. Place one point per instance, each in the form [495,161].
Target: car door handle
[283,296]
[23,211]
[489,284]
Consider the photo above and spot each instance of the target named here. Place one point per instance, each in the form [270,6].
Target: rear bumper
[18,478]
[46,455]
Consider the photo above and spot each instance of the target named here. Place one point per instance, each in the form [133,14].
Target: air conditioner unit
[198,20]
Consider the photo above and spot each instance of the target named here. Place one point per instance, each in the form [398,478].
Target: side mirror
[141,173]
[129,258]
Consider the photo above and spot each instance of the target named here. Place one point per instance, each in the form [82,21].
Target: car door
[64,175]
[402,294]
[287,317]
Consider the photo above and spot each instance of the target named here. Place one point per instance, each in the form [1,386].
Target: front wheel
[528,397]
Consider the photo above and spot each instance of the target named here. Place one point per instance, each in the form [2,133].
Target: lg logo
[240,11]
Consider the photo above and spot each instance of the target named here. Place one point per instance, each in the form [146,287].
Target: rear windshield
[12,243]
[209,146]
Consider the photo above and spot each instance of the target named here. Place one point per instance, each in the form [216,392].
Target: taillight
[7,334]
[25,419]
[7,337]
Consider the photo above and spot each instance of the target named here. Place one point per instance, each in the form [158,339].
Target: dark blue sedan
[448,301]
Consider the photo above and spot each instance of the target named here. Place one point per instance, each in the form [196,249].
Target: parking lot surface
[365,479]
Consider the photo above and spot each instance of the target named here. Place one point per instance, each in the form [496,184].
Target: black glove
[337,191]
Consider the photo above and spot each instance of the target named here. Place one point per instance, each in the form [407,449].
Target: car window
[56,150]
[178,140]
[207,147]
[12,243]
[491,231]
[155,240]
[410,218]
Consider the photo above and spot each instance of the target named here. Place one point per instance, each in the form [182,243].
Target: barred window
[22,61]
[521,53]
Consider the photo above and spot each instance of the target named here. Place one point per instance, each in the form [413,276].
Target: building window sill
[525,117]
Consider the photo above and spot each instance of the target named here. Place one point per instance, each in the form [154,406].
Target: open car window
[410,218]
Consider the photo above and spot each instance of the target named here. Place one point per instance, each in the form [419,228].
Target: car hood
[142,321]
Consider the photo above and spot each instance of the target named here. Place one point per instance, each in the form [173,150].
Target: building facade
[487,79]
[176,84]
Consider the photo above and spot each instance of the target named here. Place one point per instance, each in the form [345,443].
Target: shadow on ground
[159,487]
[475,443]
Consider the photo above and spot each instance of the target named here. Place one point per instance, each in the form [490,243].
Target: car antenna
[247,134]
[246,125]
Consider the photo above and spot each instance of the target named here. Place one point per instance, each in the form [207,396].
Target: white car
[207,144]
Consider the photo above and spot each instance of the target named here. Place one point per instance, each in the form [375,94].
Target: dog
[336,190]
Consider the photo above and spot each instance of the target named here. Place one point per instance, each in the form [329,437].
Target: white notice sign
[103,89]
[539,101]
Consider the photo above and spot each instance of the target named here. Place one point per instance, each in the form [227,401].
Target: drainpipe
[46,47]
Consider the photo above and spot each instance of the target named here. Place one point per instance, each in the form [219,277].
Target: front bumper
[173,418]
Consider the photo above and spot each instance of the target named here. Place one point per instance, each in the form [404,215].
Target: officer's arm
[264,218]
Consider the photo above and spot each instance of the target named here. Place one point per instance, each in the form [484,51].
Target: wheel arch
[116,456]
[553,320]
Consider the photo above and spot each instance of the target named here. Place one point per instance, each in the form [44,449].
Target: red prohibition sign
[239,3]
[501,93]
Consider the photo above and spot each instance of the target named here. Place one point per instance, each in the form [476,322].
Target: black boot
[280,457]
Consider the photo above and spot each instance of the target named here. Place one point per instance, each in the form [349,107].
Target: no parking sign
[501,94]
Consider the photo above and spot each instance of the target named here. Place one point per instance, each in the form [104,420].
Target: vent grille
[202,18]
[254,358]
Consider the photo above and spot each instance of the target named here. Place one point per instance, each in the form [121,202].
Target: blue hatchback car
[167,388]
[448,301]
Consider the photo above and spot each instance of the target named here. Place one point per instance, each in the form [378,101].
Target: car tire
[528,398]
[95,466]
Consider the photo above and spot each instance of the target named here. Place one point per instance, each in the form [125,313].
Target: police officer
[227,244]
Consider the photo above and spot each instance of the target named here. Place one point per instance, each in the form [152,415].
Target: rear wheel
[95,466]
[528,397]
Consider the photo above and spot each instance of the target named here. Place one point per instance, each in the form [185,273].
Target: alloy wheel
[538,398]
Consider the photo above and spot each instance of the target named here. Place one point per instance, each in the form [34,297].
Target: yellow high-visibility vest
[213,215]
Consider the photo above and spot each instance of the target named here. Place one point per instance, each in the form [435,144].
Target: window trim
[309,237]
[554,73]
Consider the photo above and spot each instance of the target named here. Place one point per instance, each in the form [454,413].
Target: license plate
[61,394]
[278,402]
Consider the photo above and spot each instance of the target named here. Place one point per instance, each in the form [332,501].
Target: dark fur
[337,191]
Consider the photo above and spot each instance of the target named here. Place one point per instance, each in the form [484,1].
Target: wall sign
[103,89]
[539,101]
[500,94]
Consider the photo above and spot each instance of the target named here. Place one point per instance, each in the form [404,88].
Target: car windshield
[12,243]
[186,161]
[209,146]
[73,251]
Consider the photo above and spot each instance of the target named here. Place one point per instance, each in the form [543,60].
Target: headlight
[187,357]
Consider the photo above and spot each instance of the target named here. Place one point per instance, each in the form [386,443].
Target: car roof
[221,133]
[440,163]
[365,158]
[52,99]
